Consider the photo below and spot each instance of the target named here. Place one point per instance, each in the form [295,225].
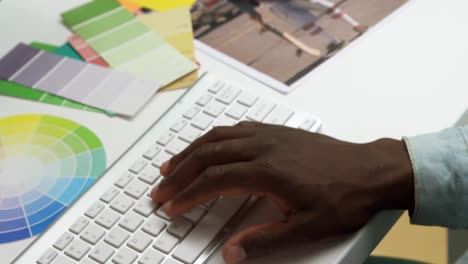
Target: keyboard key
[162,157]
[152,151]
[204,232]
[87,261]
[165,138]
[154,225]
[125,256]
[195,214]
[79,225]
[204,99]
[136,189]
[139,165]
[139,241]
[247,99]
[131,221]
[165,242]
[259,112]
[192,112]
[63,260]
[145,206]
[101,253]
[216,87]
[214,109]
[176,146]
[77,250]
[151,257]
[92,234]
[95,209]
[160,212]
[189,134]
[202,121]
[122,203]
[279,116]
[237,111]
[110,194]
[149,175]
[228,94]
[225,121]
[47,257]
[307,124]
[107,218]
[116,237]
[180,227]
[179,125]
[171,261]
[63,241]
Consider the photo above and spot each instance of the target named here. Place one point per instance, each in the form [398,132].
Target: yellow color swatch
[163,5]
[175,26]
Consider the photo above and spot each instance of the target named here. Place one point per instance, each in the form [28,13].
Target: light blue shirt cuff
[440,166]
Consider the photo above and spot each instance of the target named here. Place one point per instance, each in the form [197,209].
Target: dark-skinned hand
[324,186]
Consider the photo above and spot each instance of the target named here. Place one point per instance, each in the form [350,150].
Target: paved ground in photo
[241,38]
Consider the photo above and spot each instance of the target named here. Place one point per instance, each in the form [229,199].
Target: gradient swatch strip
[82,82]
[125,43]
[20,91]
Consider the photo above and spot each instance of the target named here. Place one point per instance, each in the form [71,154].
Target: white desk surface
[406,76]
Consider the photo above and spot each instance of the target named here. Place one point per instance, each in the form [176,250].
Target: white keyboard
[116,221]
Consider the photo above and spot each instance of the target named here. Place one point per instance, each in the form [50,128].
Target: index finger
[216,134]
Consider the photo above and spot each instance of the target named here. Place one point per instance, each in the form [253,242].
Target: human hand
[324,186]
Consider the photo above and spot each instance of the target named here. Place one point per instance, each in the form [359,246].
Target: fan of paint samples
[82,82]
[46,163]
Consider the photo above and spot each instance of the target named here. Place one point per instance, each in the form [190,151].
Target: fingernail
[154,191]
[165,167]
[167,206]
[234,255]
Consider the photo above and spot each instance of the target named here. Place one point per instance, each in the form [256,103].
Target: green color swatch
[123,41]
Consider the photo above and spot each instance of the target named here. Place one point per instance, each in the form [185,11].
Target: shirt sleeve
[440,165]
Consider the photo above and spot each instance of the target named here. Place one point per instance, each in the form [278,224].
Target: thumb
[263,239]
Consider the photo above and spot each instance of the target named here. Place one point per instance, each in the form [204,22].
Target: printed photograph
[285,39]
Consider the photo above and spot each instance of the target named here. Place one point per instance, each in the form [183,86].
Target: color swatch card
[175,26]
[127,44]
[20,91]
[163,5]
[86,52]
[82,82]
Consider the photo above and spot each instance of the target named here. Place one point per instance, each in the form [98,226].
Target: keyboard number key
[307,124]
[179,125]
[204,99]
[192,112]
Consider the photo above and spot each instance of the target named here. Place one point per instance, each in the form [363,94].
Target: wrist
[393,178]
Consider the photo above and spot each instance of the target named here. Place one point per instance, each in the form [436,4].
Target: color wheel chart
[46,162]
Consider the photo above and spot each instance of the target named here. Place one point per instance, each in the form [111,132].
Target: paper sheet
[19,91]
[125,43]
[175,26]
[82,82]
